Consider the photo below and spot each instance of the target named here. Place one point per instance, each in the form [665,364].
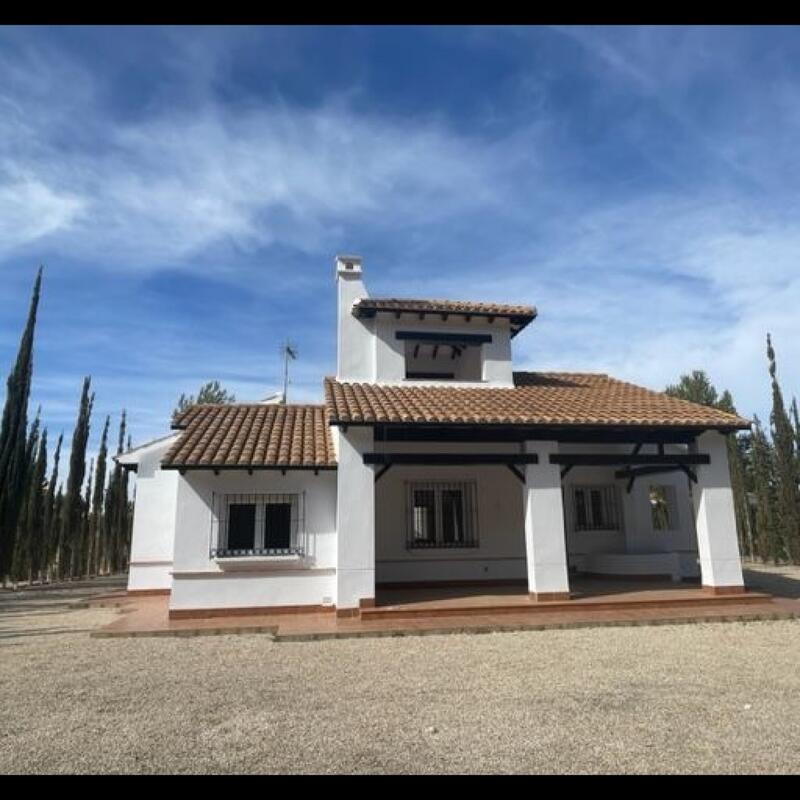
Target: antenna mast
[288,351]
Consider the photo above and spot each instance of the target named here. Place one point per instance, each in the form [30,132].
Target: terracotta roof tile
[519,315]
[538,398]
[255,436]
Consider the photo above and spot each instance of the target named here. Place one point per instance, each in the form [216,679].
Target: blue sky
[187,190]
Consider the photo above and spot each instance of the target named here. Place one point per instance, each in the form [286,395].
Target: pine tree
[72,528]
[768,544]
[695,387]
[50,531]
[13,435]
[787,509]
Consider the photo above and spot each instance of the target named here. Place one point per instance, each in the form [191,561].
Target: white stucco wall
[390,366]
[153,532]
[637,534]
[501,554]
[201,582]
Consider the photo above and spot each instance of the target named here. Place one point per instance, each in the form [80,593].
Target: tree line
[764,465]
[50,528]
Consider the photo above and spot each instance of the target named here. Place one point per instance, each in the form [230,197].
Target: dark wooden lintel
[448,459]
[610,459]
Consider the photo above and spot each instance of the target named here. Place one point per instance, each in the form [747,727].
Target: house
[431,462]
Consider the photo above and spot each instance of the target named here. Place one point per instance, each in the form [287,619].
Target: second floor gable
[400,340]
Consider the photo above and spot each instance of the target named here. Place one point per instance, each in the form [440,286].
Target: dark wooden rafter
[435,351]
[382,471]
[517,472]
[632,473]
[416,350]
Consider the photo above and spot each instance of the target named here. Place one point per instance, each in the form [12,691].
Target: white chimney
[355,345]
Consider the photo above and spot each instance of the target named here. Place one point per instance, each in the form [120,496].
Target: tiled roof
[252,436]
[538,398]
[519,315]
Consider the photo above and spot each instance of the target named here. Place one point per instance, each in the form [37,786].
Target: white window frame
[260,501]
[612,506]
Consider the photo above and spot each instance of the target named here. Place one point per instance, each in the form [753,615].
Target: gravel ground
[691,698]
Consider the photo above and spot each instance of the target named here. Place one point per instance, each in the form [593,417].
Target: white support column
[355,522]
[715,519]
[545,542]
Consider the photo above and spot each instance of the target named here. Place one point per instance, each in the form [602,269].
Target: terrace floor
[407,611]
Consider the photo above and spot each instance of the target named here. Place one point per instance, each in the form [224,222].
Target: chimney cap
[348,265]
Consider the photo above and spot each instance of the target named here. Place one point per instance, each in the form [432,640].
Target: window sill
[259,562]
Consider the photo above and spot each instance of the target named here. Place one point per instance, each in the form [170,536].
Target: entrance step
[457,607]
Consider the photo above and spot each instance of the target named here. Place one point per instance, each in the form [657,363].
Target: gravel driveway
[689,698]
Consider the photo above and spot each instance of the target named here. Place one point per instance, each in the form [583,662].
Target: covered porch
[498,518]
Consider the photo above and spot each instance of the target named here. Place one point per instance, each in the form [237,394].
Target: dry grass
[696,698]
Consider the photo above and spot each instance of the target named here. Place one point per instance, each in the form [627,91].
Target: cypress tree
[86,511]
[72,527]
[116,497]
[787,507]
[737,467]
[36,511]
[13,435]
[50,531]
[97,522]
[21,561]
[768,545]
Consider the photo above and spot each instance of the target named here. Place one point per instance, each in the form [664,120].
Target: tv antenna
[288,352]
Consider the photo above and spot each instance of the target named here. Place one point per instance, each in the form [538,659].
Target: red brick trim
[248,611]
[348,613]
[718,590]
[149,592]
[366,602]
[549,597]
[452,584]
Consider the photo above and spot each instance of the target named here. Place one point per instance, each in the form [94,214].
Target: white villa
[431,462]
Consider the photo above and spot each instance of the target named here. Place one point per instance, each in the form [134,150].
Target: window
[663,508]
[443,361]
[259,525]
[441,515]
[596,508]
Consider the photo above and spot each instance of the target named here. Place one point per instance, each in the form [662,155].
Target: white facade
[360,525]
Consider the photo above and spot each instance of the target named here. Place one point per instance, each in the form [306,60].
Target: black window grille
[596,508]
[258,525]
[441,515]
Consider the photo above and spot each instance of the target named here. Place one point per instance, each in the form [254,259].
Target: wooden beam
[647,470]
[610,459]
[447,459]
[382,471]
[416,350]
[435,351]
[443,338]
[517,472]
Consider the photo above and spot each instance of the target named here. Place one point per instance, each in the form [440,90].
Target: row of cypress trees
[51,529]
[765,468]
